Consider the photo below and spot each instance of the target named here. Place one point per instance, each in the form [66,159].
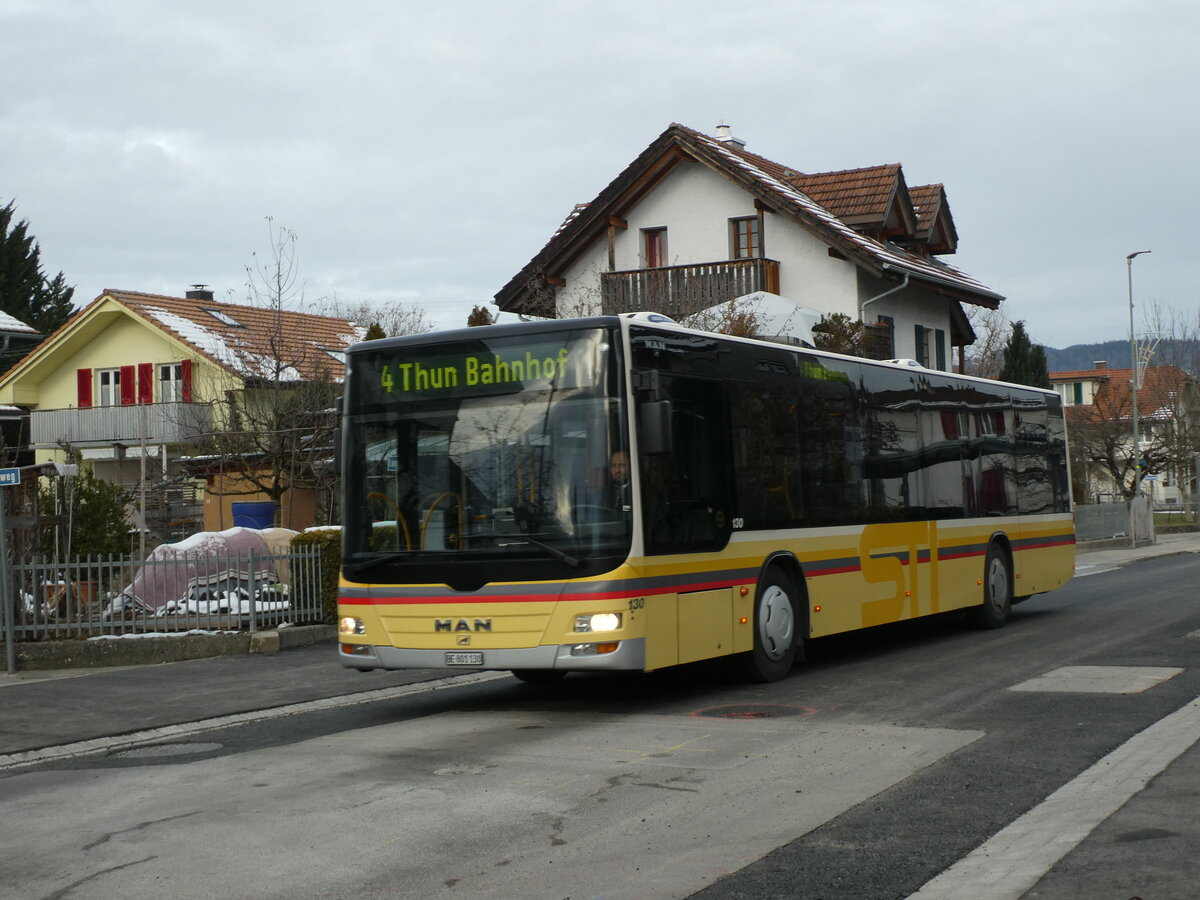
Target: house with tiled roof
[139,384]
[16,340]
[698,220]
[1098,404]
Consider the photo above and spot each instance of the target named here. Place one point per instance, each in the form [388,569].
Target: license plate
[464,659]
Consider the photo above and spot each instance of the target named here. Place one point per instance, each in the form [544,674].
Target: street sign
[9,477]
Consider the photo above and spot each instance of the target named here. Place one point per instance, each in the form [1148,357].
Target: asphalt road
[890,758]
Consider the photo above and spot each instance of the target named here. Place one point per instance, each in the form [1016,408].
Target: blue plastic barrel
[254,515]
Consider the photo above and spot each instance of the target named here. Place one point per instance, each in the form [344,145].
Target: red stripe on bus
[548,597]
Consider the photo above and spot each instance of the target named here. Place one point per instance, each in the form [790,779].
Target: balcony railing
[681,291]
[157,423]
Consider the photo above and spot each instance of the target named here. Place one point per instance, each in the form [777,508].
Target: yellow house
[144,387]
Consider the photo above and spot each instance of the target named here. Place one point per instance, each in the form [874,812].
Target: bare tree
[737,317]
[396,319]
[838,333]
[1102,451]
[274,420]
[985,357]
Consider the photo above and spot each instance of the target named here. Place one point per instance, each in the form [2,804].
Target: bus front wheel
[776,635]
[997,591]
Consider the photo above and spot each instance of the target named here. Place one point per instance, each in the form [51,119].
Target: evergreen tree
[93,515]
[25,292]
[480,315]
[374,332]
[1024,361]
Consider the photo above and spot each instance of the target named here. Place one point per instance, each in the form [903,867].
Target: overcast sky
[423,152]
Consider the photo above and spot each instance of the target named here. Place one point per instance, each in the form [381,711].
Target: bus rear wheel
[776,636]
[997,591]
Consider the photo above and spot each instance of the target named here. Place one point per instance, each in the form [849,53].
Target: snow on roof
[12,323]
[888,254]
[227,350]
[256,342]
[215,345]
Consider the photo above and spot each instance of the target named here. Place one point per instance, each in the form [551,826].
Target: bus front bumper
[629,655]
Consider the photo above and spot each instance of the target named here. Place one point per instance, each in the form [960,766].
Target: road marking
[174,732]
[1016,858]
[1099,679]
[1100,569]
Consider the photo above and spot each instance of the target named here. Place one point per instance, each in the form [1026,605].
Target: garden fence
[92,596]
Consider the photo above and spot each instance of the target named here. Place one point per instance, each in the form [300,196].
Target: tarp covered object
[211,562]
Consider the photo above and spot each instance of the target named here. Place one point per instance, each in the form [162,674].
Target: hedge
[329,542]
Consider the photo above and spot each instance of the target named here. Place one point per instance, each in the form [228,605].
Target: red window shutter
[185,370]
[949,424]
[83,378]
[145,383]
[128,387]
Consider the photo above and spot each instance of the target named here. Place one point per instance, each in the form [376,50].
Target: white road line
[174,732]
[1081,571]
[1015,859]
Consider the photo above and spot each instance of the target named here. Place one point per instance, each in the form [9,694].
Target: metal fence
[1100,521]
[235,591]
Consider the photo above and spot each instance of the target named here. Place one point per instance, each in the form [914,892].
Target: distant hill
[1185,354]
[1084,356]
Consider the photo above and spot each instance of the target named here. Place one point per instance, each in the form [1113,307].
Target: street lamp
[1133,389]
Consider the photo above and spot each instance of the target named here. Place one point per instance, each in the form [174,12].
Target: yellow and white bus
[775,494]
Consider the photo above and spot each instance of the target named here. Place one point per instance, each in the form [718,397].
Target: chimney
[725,136]
[1100,364]
[199,292]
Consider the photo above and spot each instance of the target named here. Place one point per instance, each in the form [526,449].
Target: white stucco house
[698,220]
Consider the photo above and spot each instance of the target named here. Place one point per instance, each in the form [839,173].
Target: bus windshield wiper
[372,564]
[572,561]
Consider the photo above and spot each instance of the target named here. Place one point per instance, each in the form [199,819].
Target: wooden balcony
[681,291]
[158,423]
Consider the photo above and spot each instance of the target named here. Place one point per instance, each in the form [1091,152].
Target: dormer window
[223,317]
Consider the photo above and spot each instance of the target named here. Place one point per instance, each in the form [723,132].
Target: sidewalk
[1119,553]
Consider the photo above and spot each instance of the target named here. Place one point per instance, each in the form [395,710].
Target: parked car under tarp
[212,572]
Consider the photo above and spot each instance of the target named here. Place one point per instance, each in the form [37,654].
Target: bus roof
[652,320]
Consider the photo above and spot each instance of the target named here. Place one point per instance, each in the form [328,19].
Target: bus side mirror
[654,427]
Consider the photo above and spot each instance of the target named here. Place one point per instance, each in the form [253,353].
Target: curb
[119,651]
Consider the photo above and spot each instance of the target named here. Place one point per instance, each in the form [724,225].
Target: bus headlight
[598,622]
[349,625]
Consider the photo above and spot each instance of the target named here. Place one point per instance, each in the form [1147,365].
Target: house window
[744,238]
[930,347]
[654,247]
[1077,391]
[170,383]
[890,322]
[108,382]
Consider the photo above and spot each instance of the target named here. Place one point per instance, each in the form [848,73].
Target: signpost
[8,478]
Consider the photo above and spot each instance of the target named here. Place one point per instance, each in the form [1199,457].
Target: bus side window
[685,491]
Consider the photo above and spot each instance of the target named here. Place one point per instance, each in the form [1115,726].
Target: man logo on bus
[462,625]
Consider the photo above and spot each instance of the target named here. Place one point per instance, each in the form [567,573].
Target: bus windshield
[485,459]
